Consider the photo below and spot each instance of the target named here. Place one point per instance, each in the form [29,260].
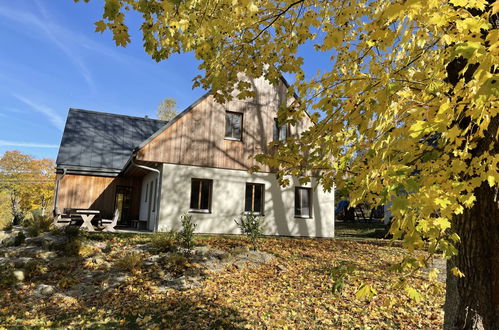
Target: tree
[407,106]
[28,182]
[167,109]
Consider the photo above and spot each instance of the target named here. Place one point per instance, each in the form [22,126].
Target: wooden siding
[197,138]
[98,193]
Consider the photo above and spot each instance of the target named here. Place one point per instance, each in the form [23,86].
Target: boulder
[18,275]
[44,290]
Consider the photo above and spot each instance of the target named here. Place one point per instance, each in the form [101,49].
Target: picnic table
[87,216]
[73,216]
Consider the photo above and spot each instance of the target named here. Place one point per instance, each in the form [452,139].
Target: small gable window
[280,131]
[303,199]
[254,198]
[233,125]
[201,195]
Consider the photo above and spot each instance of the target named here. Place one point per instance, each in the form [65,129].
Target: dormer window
[280,131]
[233,125]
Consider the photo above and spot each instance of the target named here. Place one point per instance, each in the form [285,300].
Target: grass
[359,230]
[299,289]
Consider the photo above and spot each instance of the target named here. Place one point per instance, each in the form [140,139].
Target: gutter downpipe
[158,191]
[57,185]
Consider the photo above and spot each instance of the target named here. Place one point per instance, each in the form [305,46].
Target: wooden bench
[109,224]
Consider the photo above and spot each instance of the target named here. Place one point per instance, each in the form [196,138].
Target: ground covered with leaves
[309,283]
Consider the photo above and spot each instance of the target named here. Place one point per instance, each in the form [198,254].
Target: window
[201,195]
[147,189]
[253,201]
[280,131]
[233,125]
[303,198]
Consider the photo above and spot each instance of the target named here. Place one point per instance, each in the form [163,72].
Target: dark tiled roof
[102,140]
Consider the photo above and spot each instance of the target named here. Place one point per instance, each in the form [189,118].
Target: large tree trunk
[472,302]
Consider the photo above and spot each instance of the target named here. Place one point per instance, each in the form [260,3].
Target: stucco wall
[228,203]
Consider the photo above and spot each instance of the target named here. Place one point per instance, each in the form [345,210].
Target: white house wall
[227,203]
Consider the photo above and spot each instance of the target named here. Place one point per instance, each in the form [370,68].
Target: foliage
[73,244]
[177,263]
[131,261]
[28,182]
[407,107]
[19,239]
[252,226]
[339,275]
[296,295]
[186,233]
[5,214]
[164,242]
[167,109]
[71,248]
[7,277]
[38,224]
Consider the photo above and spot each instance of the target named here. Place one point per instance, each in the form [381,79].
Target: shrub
[20,238]
[186,234]
[130,261]
[71,248]
[252,226]
[38,224]
[177,263]
[71,232]
[164,242]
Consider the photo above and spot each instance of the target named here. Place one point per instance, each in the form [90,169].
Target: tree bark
[472,302]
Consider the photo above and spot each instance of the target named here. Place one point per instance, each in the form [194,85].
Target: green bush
[20,238]
[71,232]
[252,226]
[186,234]
[164,242]
[38,224]
[71,248]
[130,261]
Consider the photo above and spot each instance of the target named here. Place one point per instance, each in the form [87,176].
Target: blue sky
[51,59]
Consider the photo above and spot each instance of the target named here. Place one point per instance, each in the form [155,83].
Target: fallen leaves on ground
[295,290]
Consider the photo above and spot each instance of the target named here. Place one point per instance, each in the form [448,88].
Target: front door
[123,202]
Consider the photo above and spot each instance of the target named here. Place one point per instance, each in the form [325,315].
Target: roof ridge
[114,114]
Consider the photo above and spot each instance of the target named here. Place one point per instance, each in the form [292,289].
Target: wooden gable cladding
[97,193]
[198,137]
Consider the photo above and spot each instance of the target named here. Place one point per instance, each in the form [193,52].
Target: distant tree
[167,109]
[28,182]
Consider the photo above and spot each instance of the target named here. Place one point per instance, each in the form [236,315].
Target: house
[154,171]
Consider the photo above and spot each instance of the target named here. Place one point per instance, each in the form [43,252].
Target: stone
[19,275]
[44,290]
[202,250]
[281,268]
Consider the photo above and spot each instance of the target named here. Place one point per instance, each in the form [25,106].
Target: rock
[47,241]
[154,259]
[281,268]
[44,290]
[19,275]
[20,262]
[3,235]
[202,250]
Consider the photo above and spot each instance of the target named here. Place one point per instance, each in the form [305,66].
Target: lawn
[293,290]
